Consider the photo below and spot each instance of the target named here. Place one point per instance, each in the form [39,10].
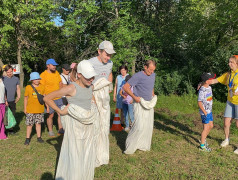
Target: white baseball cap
[107,46]
[86,69]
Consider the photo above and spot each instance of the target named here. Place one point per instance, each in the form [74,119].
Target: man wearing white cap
[102,86]
[77,156]
[102,63]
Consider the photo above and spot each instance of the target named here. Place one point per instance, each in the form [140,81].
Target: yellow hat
[3,67]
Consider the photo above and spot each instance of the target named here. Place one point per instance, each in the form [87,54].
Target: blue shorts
[58,103]
[206,119]
[231,110]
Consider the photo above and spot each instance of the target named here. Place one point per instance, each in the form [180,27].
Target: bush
[168,84]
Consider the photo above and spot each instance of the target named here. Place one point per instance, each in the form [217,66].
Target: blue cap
[34,76]
[51,61]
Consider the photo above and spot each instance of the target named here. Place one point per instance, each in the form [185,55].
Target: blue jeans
[128,111]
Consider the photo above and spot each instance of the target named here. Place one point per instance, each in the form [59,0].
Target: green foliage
[168,83]
[186,38]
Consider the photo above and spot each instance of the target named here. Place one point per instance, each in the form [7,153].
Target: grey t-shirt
[103,70]
[11,87]
[82,98]
[205,96]
[143,85]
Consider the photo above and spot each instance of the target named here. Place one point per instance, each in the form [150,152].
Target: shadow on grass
[56,142]
[119,135]
[47,176]
[163,123]
[19,116]
[120,138]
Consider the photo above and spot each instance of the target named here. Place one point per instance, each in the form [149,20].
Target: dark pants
[12,106]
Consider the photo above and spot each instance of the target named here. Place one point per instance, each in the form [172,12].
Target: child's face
[123,72]
[36,81]
[10,72]
[232,64]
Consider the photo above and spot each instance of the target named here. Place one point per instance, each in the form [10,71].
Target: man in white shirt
[65,74]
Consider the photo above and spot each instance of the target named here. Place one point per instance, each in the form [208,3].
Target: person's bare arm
[6,103]
[110,78]
[115,92]
[63,85]
[153,92]
[60,84]
[18,93]
[127,89]
[122,94]
[201,107]
[69,90]
[212,81]
[25,103]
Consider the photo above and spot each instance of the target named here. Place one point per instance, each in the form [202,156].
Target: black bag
[39,96]
[65,101]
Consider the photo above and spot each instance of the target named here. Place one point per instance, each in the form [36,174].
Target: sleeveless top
[82,98]
[120,82]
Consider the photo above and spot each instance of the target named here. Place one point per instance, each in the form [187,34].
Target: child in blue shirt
[205,109]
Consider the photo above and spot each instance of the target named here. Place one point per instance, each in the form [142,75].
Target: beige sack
[140,135]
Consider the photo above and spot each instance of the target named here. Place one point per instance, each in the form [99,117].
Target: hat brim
[54,64]
[67,69]
[35,79]
[213,77]
[110,51]
[89,75]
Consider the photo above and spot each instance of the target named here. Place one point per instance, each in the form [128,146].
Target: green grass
[174,151]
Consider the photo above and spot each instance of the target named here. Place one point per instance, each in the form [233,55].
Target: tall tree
[22,21]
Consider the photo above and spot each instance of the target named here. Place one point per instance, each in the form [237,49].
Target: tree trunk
[1,63]
[116,8]
[19,47]
[133,68]
[19,61]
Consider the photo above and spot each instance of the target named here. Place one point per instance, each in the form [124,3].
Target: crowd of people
[80,97]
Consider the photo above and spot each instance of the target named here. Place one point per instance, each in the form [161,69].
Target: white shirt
[2,92]
[63,79]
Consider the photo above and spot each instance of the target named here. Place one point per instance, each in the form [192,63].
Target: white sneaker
[236,151]
[127,129]
[225,143]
